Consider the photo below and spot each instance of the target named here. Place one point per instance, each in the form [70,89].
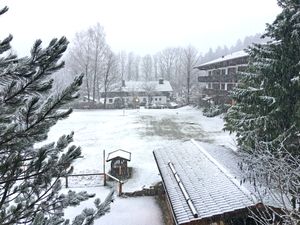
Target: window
[159,99]
[222,86]
[209,73]
[242,68]
[231,70]
[155,99]
[110,100]
[216,86]
[230,87]
[223,71]
[216,72]
[209,86]
[144,99]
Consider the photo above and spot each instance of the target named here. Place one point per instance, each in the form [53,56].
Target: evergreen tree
[29,175]
[267,109]
[266,117]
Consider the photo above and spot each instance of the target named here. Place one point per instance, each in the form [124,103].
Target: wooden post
[120,188]
[67,184]
[104,180]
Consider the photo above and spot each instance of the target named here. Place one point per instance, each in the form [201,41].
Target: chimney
[123,83]
[161,81]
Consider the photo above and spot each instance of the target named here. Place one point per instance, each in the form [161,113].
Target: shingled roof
[209,187]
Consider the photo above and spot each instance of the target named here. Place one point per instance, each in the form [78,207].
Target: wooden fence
[97,174]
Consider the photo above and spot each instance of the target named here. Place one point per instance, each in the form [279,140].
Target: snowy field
[140,132]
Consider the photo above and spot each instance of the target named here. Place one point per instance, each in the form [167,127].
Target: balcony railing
[233,78]
[211,92]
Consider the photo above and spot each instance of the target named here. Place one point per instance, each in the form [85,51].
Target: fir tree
[266,116]
[29,175]
[267,109]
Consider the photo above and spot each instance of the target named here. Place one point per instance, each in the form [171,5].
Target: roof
[230,159]
[152,86]
[212,189]
[119,154]
[234,55]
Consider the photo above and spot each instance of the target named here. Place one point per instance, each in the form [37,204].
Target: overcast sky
[141,26]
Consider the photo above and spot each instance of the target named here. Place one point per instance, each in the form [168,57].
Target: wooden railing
[116,179]
[96,174]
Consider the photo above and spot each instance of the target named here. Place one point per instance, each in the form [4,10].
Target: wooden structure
[119,159]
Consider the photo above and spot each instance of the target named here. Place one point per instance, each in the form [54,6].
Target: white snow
[233,55]
[225,171]
[130,211]
[119,153]
[139,86]
[125,211]
[96,130]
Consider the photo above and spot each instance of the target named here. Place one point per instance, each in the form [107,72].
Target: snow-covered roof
[141,86]
[231,56]
[120,153]
[212,189]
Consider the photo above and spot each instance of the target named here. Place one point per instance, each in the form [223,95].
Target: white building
[141,93]
[221,75]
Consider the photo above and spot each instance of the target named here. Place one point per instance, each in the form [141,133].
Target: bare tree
[110,74]
[190,60]
[178,80]
[79,60]
[275,173]
[122,64]
[137,67]
[130,60]
[86,56]
[98,44]
[166,62]
[155,66]
[147,67]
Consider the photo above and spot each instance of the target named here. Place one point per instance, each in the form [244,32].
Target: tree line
[104,69]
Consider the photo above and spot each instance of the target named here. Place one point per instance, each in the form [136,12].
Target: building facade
[221,75]
[138,93]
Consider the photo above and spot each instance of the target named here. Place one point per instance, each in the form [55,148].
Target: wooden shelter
[119,159]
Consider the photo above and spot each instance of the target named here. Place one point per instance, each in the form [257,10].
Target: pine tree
[267,108]
[29,175]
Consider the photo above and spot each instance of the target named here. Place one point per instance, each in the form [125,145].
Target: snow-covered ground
[125,211]
[140,132]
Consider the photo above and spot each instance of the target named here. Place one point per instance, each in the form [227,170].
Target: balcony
[232,78]
[212,92]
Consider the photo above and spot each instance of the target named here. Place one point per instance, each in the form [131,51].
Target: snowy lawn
[125,211]
[140,132]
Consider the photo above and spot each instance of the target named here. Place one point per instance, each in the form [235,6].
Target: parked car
[172,105]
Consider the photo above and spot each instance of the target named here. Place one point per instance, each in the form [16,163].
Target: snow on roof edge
[233,55]
[226,172]
[118,153]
